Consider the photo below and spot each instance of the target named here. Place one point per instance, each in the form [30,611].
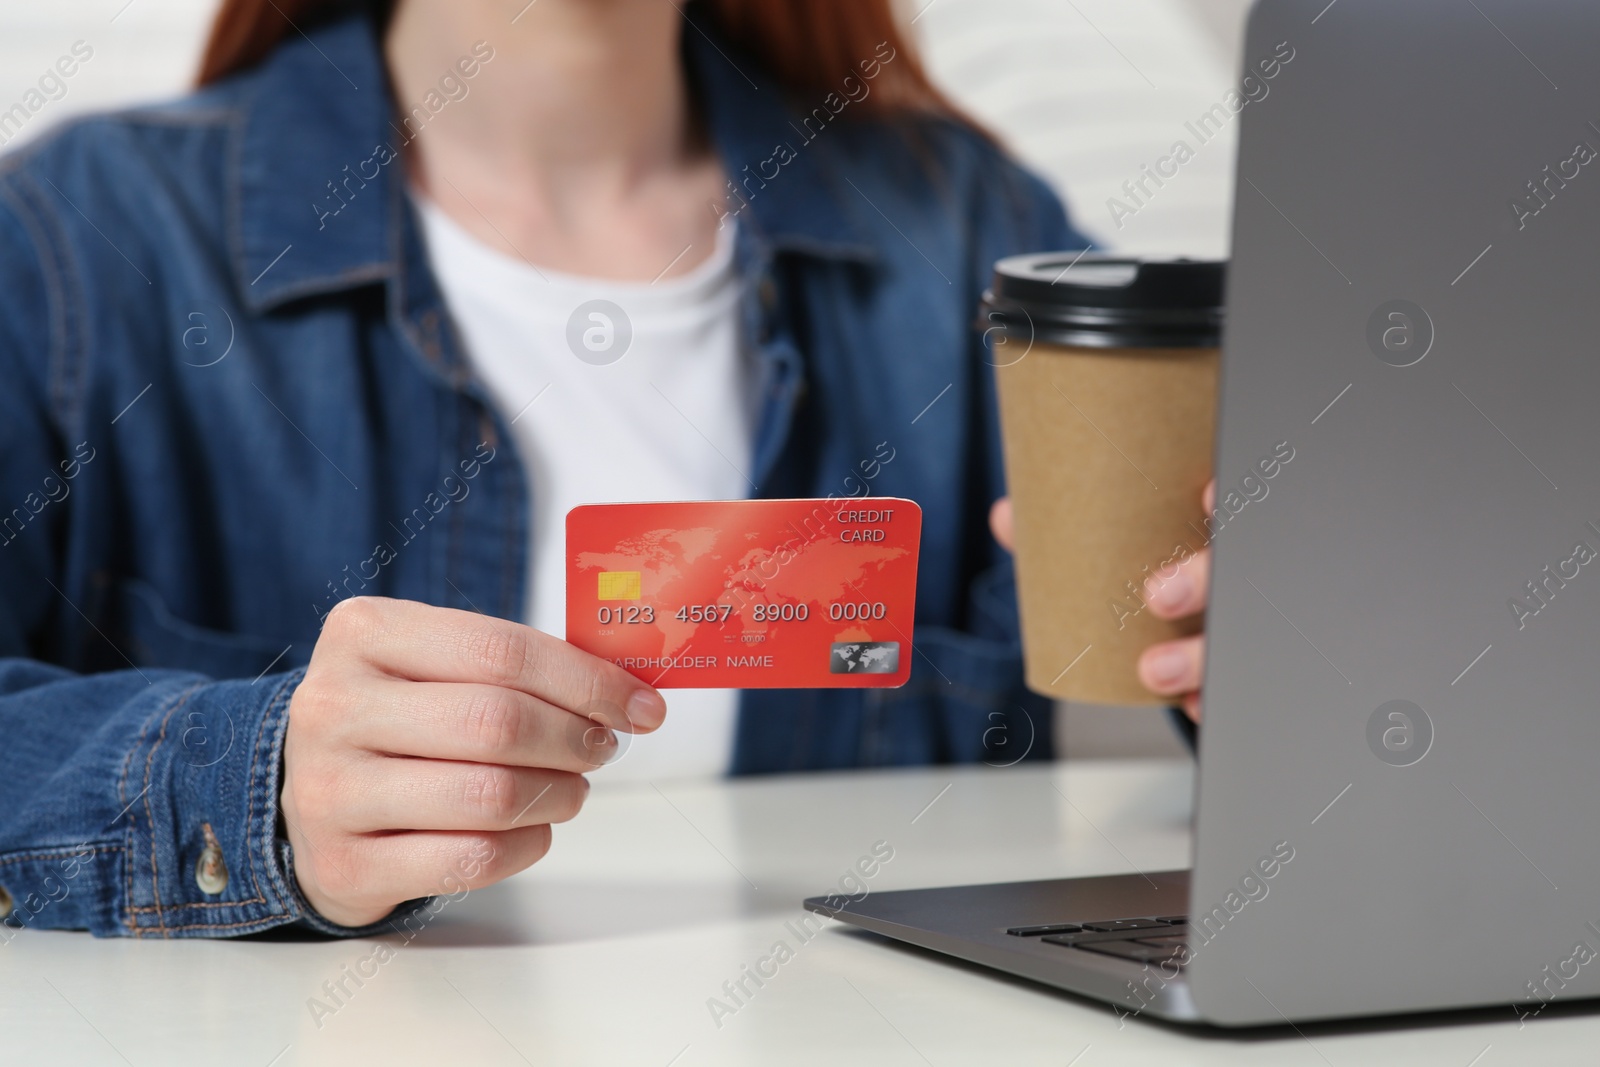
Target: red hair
[808,46]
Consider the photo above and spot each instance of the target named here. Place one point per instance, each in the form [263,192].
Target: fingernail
[1169,594]
[647,708]
[1164,668]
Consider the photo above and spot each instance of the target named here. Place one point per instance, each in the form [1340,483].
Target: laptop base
[972,923]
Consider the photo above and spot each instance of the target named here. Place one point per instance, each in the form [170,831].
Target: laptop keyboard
[1153,939]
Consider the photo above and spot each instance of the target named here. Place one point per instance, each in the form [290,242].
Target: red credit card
[747,594]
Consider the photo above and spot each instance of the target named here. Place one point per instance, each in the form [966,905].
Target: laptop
[1399,767]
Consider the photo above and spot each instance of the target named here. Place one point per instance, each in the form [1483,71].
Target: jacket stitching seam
[236,196]
[149,765]
[285,900]
[269,825]
[198,120]
[260,897]
[129,843]
[145,909]
[66,390]
[69,852]
[264,923]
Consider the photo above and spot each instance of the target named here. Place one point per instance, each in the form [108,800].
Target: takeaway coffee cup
[1107,372]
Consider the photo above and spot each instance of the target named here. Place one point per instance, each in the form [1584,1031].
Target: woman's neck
[576,125]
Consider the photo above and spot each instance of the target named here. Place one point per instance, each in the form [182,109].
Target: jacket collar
[319,177]
[311,214]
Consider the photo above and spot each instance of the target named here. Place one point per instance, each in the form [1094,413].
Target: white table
[608,951]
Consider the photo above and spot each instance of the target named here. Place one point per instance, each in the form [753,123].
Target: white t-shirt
[671,419]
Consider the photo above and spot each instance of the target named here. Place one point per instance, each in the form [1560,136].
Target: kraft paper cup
[1107,372]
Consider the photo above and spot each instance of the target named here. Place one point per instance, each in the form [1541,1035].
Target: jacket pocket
[152,636]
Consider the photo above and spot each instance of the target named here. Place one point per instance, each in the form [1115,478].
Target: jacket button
[211,870]
[6,903]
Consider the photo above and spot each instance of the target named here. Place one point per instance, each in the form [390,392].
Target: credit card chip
[620,585]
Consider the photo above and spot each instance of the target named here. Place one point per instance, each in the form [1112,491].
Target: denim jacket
[233,397]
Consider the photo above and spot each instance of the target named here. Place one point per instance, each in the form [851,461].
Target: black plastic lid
[1107,301]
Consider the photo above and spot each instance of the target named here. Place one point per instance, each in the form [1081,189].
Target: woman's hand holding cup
[1176,668]
[1172,669]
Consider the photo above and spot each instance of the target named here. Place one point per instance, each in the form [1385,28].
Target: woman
[305,368]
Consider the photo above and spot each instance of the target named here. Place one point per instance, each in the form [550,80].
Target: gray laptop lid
[1403,687]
